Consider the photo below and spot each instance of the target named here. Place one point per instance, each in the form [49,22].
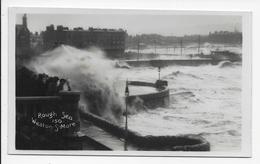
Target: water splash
[88,71]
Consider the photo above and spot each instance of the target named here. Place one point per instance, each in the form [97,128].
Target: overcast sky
[177,25]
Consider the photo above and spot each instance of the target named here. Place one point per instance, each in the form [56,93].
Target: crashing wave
[90,72]
[175,74]
[225,64]
[121,64]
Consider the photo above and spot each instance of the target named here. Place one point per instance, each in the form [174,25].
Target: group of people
[50,86]
[29,83]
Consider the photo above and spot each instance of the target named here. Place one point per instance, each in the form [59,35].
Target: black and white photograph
[143,81]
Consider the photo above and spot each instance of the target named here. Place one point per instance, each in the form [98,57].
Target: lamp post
[199,46]
[155,46]
[159,70]
[138,48]
[181,46]
[126,113]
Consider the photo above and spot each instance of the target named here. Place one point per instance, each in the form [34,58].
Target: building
[22,38]
[226,37]
[35,39]
[111,41]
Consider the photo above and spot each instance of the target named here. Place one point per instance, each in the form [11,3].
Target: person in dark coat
[40,85]
[52,86]
[61,86]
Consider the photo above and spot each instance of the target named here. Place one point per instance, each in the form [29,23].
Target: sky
[177,25]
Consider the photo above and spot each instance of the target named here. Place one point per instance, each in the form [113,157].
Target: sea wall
[51,123]
[149,143]
[164,63]
[151,100]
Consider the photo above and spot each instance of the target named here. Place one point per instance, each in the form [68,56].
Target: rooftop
[90,29]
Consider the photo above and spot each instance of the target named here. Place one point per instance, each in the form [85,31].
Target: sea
[204,100]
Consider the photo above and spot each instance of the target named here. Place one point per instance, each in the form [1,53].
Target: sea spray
[89,72]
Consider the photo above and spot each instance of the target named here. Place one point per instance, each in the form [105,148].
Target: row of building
[112,41]
[225,37]
[218,37]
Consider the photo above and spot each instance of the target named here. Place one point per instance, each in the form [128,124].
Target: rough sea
[204,100]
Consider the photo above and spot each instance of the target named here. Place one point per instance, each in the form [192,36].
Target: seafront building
[22,38]
[112,41]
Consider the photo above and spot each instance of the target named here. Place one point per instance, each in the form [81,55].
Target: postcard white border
[246,83]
